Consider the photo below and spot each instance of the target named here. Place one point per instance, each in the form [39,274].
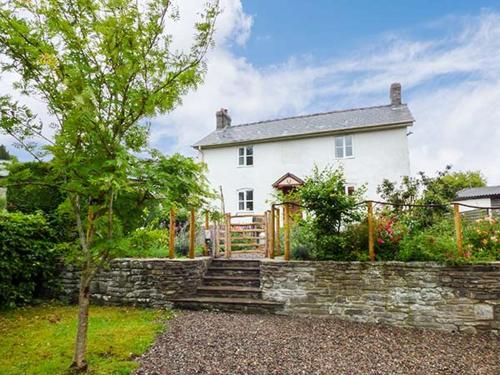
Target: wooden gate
[242,234]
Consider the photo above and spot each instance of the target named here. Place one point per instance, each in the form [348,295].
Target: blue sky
[324,29]
[275,58]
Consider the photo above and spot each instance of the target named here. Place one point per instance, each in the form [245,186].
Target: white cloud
[451,82]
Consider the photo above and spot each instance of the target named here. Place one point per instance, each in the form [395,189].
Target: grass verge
[40,340]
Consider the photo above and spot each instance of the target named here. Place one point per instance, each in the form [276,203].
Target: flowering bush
[482,239]
[388,235]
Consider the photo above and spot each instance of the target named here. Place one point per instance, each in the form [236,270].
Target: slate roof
[302,126]
[479,192]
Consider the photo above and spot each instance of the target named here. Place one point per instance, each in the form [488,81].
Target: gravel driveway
[222,343]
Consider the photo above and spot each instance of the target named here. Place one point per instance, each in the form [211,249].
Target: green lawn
[39,340]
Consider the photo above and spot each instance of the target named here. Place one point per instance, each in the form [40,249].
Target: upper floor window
[343,147]
[245,155]
[245,200]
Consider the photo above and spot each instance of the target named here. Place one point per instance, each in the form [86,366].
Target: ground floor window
[245,200]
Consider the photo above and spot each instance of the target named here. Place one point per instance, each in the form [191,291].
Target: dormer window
[343,147]
[245,156]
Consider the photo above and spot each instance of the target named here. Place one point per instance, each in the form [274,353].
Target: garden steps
[230,285]
[231,280]
[234,271]
[229,291]
[230,304]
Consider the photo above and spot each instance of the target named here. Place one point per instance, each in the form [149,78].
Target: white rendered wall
[479,202]
[377,155]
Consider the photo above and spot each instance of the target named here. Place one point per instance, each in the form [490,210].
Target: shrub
[301,241]
[482,240]
[356,241]
[144,238]
[324,195]
[436,243]
[28,258]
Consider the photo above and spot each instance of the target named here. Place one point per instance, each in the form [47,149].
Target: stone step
[235,263]
[253,281]
[229,291]
[233,271]
[245,305]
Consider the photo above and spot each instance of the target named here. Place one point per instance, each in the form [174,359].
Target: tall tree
[102,67]
[4,154]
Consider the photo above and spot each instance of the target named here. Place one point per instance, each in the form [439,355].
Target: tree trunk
[79,362]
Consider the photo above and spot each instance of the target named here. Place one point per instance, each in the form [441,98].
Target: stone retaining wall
[139,282]
[453,298]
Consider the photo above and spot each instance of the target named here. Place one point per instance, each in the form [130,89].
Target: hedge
[28,258]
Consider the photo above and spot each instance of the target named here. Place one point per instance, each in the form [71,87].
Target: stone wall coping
[374,264]
[166,260]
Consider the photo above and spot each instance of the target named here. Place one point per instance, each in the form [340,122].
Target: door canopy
[288,182]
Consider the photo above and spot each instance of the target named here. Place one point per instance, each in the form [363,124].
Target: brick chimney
[223,120]
[396,94]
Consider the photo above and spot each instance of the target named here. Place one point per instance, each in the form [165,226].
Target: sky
[281,58]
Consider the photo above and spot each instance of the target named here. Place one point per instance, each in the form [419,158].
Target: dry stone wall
[139,282]
[453,298]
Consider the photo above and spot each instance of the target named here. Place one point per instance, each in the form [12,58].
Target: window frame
[350,189]
[244,155]
[246,200]
[344,146]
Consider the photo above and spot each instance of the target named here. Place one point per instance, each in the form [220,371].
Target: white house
[250,161]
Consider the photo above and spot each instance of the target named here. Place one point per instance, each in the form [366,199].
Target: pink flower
[380,241]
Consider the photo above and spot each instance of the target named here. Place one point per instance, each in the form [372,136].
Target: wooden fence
[192,234]
[284,209]
[263,232]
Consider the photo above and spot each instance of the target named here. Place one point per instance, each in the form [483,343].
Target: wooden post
[371,241]
[458,228]
[216,237]
[278,238]
[191,234]
[227,241]
[271,224]
[286,223]
[171,235]
[207,228]
[266,232]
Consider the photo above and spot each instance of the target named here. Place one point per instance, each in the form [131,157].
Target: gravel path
[222,343]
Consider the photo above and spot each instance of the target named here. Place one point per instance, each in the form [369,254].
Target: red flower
[380,241]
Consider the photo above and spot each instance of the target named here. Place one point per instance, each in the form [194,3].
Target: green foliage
[425,190]
[30,188]
[436,243]
[324,196]
[28,257]
[144,241]
[482,239]
[302,240]
[103,68]
[4,154]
